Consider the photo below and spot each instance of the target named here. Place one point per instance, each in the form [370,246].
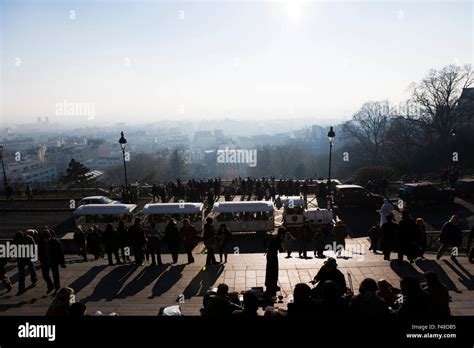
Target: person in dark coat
[339,232]
[367,304]
[329,271]
[422,241]
[51,257]
[123,236]
[173,239]
[81,242]
[111,244]
[303,305]
[210,241]
[438,296]
[273,245]
[190,239]
[450,236]
[154,244]
[21,238]
[220,306]
[250,306]
[223,236]
[374,235]
[388,233]
[320,241]
[304,238]
[138,241]
[407,236]
[94,241]
[415,300]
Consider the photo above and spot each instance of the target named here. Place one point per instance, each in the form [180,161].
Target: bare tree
[367,129]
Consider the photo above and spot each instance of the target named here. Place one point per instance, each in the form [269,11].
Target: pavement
[130,290]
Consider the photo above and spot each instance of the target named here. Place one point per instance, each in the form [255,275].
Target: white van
[250,216]
[160,212]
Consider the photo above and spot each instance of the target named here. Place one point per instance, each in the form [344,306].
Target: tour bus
[249,216]
[293,209]
[91,215]
[160,212]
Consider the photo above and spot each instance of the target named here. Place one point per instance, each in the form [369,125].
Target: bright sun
[294,11]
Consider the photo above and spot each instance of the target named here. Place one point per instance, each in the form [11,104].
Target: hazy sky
[140,61]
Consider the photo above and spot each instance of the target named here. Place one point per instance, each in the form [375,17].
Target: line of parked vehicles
[259,216]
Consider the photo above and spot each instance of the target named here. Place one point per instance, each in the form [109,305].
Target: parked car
[97,200]
[355,195]
[464,188]
[425,193]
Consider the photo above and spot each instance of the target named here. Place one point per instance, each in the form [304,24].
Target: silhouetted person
[51,257]
[81,242]
[374,235]
[154,244]
[190,239]
[407,236]
[415,300]
[210,241]
[304,238]
[331,303]
[320,241]
[111,244]
[124,240]
[329,271]
[138,241]
[250,306]
[61,303]
[367,304]
[450,236]
[387,293]
[173,239]
[273,247]
[77,310]
[220,306]
[94,241]
[288,243]
[21,238]
[422,241]
[223,236]
[388,235]
[438,296]
[303,305]
[339,232]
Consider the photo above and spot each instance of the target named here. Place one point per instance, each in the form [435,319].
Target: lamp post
[122,142]
[3,167]
[331,136]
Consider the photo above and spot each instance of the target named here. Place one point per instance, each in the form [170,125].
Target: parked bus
[161,212]
[91,215]
[250,216]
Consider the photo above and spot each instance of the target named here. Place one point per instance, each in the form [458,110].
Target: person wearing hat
[61,303]
[329,271]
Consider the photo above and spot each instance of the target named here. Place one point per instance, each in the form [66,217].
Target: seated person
[220,306]
[250,306]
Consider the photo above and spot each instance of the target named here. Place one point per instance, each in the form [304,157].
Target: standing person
[172,238]
[94,242]
[450,236]
[385,210]
[19,239]
[154,192]
[51,257]
[305,237]
[329,271]
[124,240]
[272,248]
[190,239]
[288,241]
[81,242]
[29,192]
[154,244]
[138,242]
[111,244]
[3,274]
[210,241]
[320,241]
[374,235]
[388,233]
[422,242]
[339,232]
[407,237]
[223,241]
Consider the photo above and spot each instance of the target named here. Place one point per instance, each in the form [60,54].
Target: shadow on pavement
[109,286]
[141,280]
[167,280]
[203,281]
[433,266]
[81,282]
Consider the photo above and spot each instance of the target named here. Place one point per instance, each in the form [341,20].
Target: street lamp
[331,136]
[3,167]
[122,142]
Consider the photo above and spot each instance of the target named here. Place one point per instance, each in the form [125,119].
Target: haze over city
[145,61]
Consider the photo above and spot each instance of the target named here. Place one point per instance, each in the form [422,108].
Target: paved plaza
[130,290]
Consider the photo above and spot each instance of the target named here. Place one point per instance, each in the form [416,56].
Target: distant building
[102,163]
[30,171]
